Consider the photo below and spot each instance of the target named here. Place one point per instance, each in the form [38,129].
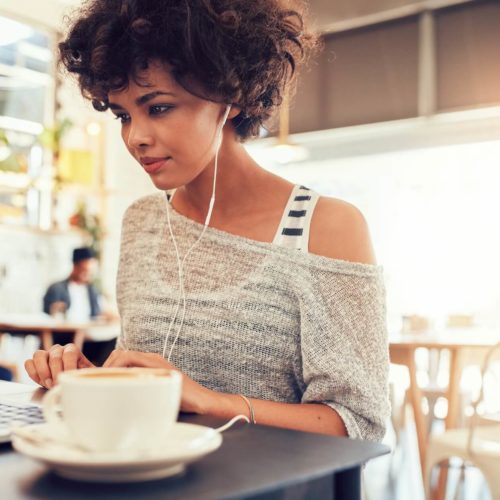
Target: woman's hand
[195,397]
[46,366]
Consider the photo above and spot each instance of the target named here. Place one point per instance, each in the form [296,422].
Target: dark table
[253,462]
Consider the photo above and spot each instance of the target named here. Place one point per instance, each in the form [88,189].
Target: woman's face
[169,131]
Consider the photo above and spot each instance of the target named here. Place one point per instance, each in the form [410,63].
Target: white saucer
[185,444]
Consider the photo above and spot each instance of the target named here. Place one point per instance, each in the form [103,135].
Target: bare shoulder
[339,231]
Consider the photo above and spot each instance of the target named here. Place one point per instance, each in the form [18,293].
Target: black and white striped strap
[293,231]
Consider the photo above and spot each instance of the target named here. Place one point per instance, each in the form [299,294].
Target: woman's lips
[152,167]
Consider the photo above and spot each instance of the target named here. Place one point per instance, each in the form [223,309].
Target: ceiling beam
[413,9]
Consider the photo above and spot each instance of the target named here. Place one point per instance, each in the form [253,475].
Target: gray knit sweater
[269,322]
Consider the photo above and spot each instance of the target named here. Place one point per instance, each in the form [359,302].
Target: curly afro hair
[241,52]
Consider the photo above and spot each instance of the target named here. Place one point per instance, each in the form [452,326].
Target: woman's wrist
[223,405]
[251,411]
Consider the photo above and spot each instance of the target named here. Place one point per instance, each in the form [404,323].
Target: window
[26,104]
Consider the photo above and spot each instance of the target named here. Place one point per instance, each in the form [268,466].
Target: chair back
[476,416]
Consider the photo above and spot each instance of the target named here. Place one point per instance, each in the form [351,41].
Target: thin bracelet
[250,407]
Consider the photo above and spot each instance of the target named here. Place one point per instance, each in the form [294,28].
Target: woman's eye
[123,117]
[158,109]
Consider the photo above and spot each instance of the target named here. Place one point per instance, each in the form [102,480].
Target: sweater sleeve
[345,358]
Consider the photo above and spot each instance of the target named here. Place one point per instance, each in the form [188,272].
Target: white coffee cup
[115,409]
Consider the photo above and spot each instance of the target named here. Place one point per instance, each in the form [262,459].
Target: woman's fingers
[83,362]
[41,364]
[120,359]
[111,358]
[31,370]
[46,366]
[55,361]
[70,356]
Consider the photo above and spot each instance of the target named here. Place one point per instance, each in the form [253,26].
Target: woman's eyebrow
[143,99]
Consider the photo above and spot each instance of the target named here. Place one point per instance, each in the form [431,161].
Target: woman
[265,296]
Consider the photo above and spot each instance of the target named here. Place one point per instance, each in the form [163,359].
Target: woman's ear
[235,111]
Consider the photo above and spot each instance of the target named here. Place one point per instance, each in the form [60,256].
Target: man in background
[75,297]
[77,300]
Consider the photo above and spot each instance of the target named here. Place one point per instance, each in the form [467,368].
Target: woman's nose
[139,136]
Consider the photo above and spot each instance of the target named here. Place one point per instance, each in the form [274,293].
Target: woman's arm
[301,417]
[344,348]
[198,399]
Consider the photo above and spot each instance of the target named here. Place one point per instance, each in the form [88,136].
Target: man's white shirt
[79,310]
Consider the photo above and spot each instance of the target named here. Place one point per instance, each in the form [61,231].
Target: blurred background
[399,115]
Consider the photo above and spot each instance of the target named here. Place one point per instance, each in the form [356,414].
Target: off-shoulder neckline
[295,256]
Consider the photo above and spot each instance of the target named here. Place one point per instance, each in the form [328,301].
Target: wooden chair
[479,443]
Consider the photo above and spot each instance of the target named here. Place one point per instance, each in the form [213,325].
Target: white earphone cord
[180,265]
